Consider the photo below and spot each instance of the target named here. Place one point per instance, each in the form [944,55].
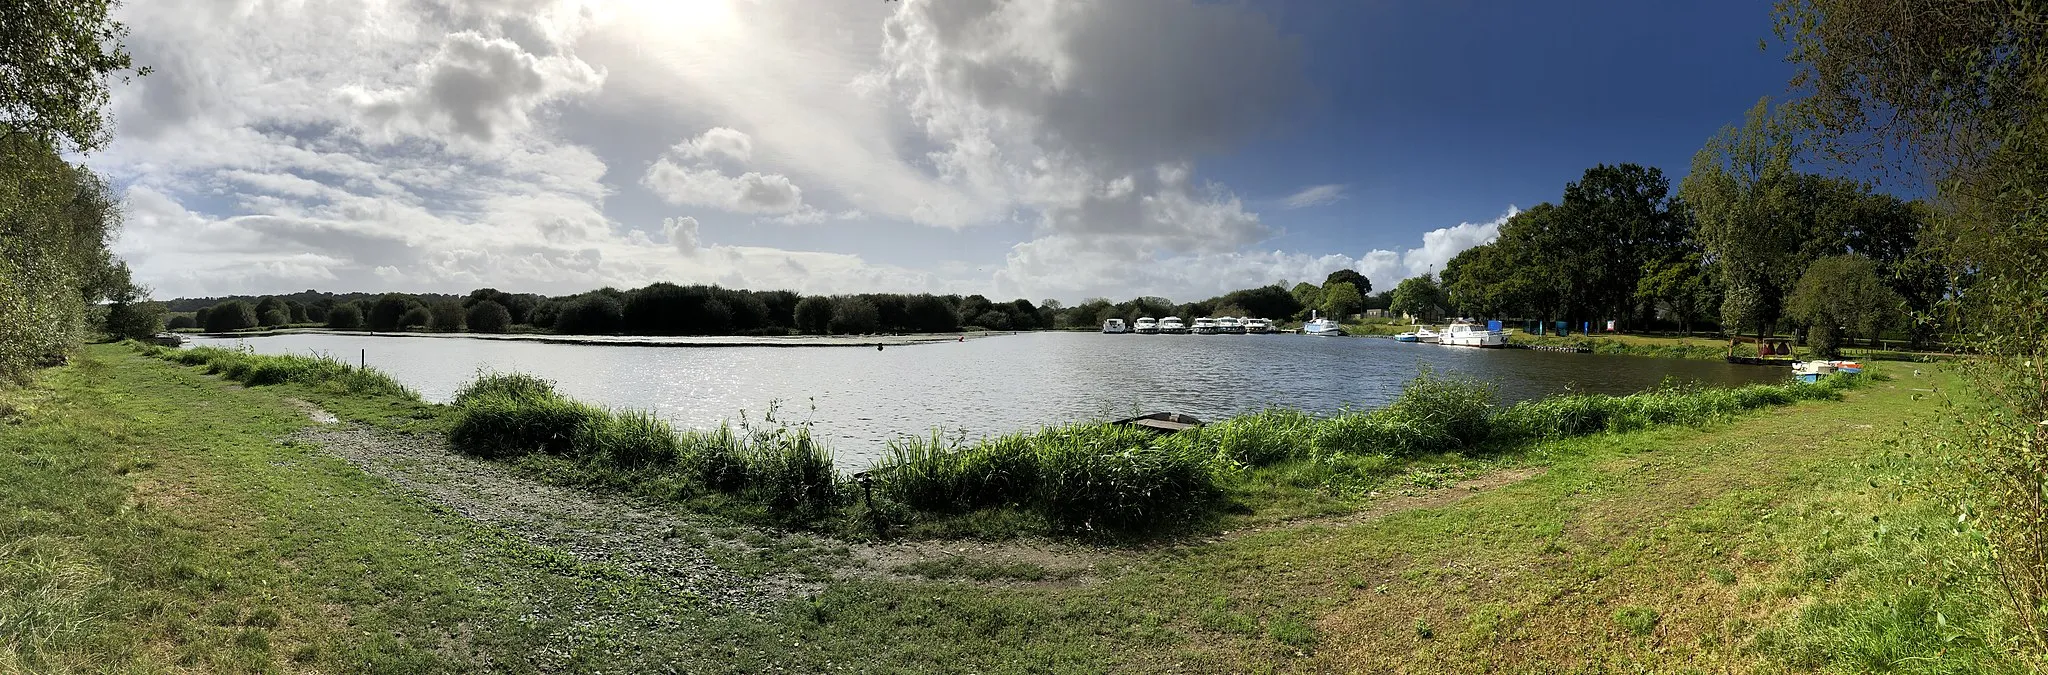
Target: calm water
[860,398]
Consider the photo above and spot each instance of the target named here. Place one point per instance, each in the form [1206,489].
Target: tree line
[59,283]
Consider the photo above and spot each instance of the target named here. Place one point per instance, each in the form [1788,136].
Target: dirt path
[730,567]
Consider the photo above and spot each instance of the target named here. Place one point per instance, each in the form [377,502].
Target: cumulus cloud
[440,146]
[700,185]
[1314,195]
[1386,268]
[477,87]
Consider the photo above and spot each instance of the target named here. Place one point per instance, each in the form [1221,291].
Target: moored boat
[1258,326]
[1146,326]
[1813,371]
[1320,326]
[1468,334]
[1115,326]
[1205,326]
[1172,325]
[1229,325]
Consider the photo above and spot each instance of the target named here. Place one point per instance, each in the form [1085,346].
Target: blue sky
[1040,149]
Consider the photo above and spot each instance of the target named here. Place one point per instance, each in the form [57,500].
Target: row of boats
[1172,325]
[1459,334]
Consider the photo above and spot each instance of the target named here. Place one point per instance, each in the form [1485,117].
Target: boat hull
[1487,340]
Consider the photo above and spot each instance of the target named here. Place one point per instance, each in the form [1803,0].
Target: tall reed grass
[779,467]
[268,369]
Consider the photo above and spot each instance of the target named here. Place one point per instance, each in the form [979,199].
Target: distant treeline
[671,309]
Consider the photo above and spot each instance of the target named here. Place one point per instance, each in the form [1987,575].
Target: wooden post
[363,360]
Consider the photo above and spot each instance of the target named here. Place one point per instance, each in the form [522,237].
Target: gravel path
[725,565]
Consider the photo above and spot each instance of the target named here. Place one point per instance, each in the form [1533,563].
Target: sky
[1036,149]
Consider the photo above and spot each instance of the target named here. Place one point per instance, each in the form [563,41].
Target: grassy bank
[1094,480]
[151,519]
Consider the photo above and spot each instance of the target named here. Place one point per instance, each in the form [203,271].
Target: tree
[1341,300]
[931,314]
[488,317]
[415,317]
[813,315]
[596,313]
[345,317]
[1962,88]
[273,318]
[1683,290]
[854,316]
[389,312]
[445,317]
[130,316]
[1306,295]
[58,54]
[1349,276]
[181,322]
[1418,297]
[232,315]
[1844,292]
[1739,187]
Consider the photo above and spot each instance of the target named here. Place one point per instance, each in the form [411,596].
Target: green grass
[1790,541]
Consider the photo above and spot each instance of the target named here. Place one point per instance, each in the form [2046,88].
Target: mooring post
[867,488]
[363,359]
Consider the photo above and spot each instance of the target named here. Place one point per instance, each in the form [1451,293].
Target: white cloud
[702,185]
[477,87]
[1314,195]
[443,146]
[718,142]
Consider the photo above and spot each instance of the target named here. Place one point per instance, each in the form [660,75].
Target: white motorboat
[1420,334]
[1468,334]
[1205,326]
[1321,326]
[1258,326]
[1229,325]
[1115,326]
[1172,325]
[1146,326]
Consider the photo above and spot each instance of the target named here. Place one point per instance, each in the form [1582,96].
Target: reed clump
[780,468]
[257,370]
[1080,476]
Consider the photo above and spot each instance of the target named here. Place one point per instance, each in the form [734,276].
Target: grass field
[154,518]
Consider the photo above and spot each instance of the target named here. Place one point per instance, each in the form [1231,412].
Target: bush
[275,317]
[489,317]
[181,322]
[498,425]
[516,385]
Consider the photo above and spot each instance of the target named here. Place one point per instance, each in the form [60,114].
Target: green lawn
[151,520]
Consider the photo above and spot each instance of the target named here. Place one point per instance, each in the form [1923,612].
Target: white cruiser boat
[1420,334]
[1258,326]
[1146,326]
[1229,325]
[1321,326]
[1468,334]
[1115,326]
[1205,326]
[1172,325]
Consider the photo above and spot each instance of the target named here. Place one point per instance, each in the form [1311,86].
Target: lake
[860,398]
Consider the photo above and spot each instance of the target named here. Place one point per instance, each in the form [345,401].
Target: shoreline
[641,340]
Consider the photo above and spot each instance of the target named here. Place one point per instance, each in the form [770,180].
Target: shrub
[516,385]
[792,474]
[181,322]
[489,317]
[275,317]
[502,425]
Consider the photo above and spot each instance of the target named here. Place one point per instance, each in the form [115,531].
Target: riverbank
[868,341]
[168,519]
